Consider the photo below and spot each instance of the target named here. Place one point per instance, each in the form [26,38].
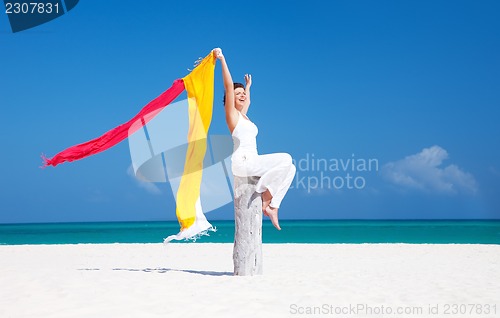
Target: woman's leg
[272,208]
[283,187]
[276,173]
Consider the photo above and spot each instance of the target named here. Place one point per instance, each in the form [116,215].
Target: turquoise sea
[310,231]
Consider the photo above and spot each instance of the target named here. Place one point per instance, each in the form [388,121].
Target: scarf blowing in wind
[199,85]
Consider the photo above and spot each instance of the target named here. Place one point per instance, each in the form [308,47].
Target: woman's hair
[236,85]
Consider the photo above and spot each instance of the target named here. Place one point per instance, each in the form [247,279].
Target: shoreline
[297,232]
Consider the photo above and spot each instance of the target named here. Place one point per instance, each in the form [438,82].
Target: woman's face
[239,98]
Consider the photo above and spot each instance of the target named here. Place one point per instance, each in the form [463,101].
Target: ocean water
[310,231]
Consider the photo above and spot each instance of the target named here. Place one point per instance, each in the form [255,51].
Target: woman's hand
[218,53]
[248,80]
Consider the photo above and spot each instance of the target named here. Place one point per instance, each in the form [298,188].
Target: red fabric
[118,134]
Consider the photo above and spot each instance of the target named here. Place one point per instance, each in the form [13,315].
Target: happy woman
[276,171]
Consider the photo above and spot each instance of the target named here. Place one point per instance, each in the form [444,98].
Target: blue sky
[411,84]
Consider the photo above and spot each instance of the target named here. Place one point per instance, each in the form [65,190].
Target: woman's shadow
[166,270]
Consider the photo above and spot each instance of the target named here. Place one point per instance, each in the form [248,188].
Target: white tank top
[244,136]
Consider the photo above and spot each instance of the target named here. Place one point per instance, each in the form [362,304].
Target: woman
[276,171]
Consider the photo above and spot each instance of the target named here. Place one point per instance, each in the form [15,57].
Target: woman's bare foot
[273,215]
[266,200]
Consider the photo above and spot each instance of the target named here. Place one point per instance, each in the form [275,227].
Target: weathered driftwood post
[247,251]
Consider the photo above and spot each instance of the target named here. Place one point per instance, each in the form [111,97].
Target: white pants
[276,172]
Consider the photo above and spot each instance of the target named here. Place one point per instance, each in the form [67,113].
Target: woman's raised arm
[231,111]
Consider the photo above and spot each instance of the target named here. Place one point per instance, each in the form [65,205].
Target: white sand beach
[300,280]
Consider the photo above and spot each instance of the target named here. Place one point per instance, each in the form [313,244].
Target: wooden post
[247,251]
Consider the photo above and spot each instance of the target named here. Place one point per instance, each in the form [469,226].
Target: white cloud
[424,171]
[149,186]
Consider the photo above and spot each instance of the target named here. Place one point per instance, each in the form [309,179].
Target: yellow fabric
[199,85]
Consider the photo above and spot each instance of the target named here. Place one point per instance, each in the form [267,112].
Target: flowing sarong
[199,85]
